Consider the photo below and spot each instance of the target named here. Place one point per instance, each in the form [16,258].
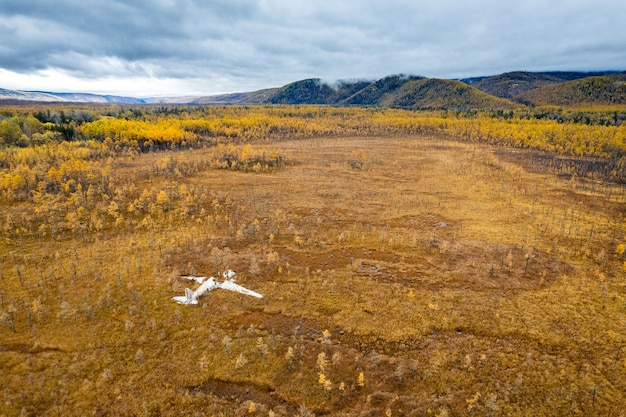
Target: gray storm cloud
[229,43]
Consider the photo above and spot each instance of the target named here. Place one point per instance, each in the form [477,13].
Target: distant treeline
[37,145]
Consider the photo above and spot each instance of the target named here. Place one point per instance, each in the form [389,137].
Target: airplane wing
[229,285]
[198,279]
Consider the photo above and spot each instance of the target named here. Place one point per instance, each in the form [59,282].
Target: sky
[148,48]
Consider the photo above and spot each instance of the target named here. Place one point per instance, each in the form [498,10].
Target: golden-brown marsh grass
[451,278]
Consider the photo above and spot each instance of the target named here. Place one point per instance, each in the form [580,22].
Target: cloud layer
[152,47]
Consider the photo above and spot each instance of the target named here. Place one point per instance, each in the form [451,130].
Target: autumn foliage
[35,156]
[412,263]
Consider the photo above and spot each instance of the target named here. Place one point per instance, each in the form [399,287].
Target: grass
[452,276]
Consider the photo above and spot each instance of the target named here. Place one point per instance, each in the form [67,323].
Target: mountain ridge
[503,91]
[512,84]
[598,90]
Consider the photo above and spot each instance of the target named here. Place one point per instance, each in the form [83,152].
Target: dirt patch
[281,324]
[336,258]
[338,216]
[564,165]
[462,264]
[244,391]
[480,265]
[32,349]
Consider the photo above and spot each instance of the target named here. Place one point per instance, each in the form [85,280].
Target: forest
[412,262]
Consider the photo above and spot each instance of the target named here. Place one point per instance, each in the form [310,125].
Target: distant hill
[29,96]
[512,84]
[50,97]
[170,100]
[433,93]
[309,91]
[393,91]
[254,97]
[377,92]
[314,91]
[95,98]
[603,90]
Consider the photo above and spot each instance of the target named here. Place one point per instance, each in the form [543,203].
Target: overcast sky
[197,47]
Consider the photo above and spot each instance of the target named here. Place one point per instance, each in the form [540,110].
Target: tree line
[52,150]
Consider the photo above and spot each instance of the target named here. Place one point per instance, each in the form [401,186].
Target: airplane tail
[188,298]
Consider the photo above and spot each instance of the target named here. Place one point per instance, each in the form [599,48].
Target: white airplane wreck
[206,285]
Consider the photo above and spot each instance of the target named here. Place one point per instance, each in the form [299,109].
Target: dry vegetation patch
[430,278]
